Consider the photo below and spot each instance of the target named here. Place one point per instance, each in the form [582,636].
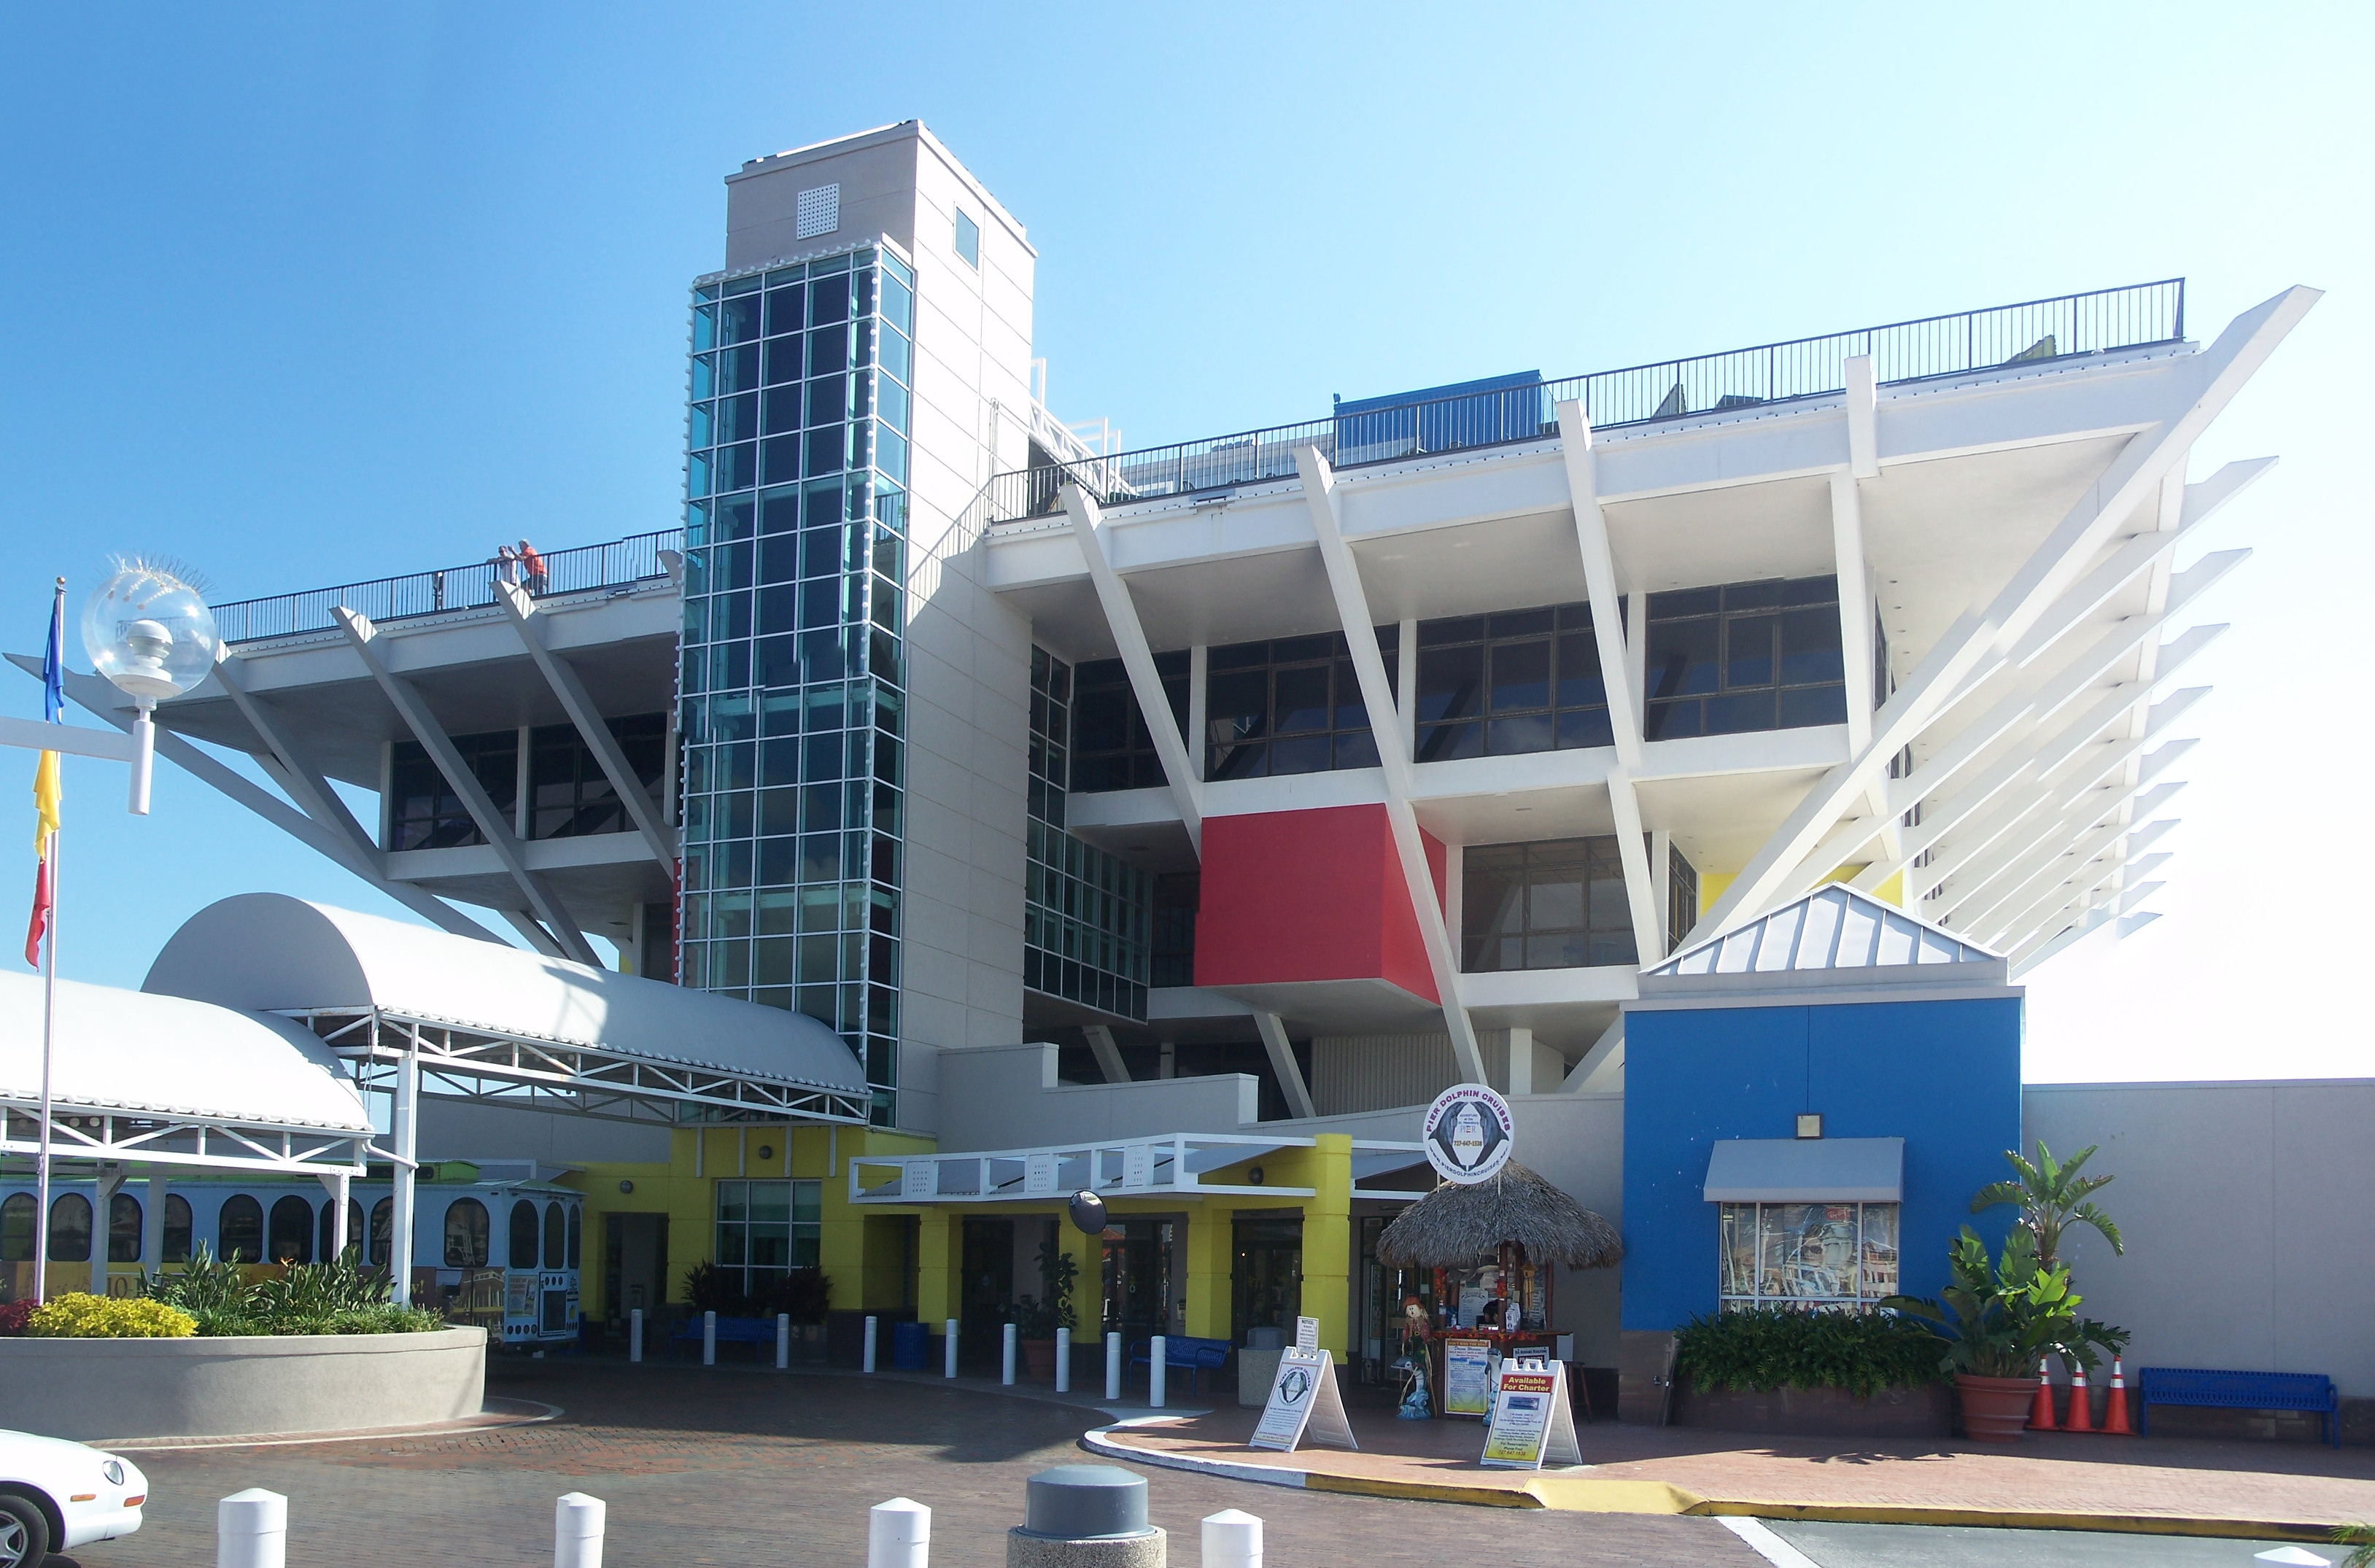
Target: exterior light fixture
[766,1151]
[1810,1124]
[626,1187]
[1253,1175]
[148,631]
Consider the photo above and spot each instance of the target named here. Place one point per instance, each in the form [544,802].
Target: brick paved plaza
[746,1469]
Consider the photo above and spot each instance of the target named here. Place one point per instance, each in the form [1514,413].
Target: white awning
[1807,1170]
[268,952]
[171,1082]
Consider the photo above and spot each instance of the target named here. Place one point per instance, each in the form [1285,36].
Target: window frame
[1482,930]
[1866,1296]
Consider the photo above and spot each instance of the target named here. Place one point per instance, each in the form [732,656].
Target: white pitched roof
[1834,927]
[164,1057]
[268,952]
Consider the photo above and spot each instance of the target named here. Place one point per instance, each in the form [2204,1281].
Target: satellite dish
[1088,1212]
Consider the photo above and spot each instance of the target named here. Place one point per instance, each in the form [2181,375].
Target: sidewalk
[2045,1480]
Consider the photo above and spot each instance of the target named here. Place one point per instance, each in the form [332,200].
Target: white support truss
[92,1132]
[592,728]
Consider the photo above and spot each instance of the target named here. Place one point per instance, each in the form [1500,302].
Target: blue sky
[313,295]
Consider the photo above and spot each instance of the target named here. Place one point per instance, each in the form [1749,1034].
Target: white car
[56,1495]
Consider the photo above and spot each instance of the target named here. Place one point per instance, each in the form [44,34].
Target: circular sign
[1468,1133]
[1088,1211]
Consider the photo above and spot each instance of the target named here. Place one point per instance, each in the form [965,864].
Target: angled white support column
[1601,1068]
[1108,1055]
[1521,1060]
[1999,881]
[2027,888]
[1967,856]
[535,936]
[592,727]
[1857,651]
[409,706]
[307,787]
[99,697]
[1640,884]
[1608,628]
[404,1130]
[1394,761]
[1982,638]
[2023,965]
[1138,659]
[1862,386]
[1283,1063]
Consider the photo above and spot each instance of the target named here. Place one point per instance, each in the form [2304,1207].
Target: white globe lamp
[148,630]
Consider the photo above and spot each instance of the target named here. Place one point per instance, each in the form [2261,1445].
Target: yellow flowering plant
[80,1315]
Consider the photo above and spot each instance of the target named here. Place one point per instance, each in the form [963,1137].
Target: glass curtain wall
[791,676]
[1086,914]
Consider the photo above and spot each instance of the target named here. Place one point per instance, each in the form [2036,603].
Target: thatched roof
[1455,1225]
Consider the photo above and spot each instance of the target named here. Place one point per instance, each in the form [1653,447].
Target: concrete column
[1211,1263]
[1327,1243]
[152,1222]
[405,1136]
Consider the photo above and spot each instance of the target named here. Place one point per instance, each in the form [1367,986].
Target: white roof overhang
[493,1022]
[1835,937]
[167,1080]
[1807,1170]
[1168,1165]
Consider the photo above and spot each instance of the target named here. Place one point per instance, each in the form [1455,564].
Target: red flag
[39,924]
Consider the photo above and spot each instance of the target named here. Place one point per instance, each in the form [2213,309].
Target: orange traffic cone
[2082,1404]
[2041,1409]
[2115,1411]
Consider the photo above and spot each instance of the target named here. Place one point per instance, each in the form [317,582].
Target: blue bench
[1196,1357]
[2239,1391]
[759,1331]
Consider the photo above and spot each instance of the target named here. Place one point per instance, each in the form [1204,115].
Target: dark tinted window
[239,1229]
[1745,656]
[1555,904]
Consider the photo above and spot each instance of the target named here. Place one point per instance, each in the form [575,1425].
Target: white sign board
[1532,1423]
[1136,1167]
[1468,1132]
[1039,1175]
[1304,1403]
[919,1178]
[1307,1334]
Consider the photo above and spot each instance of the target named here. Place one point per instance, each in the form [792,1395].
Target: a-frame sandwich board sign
[1532,1423]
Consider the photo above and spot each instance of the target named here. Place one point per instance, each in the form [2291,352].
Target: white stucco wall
[2245,1208]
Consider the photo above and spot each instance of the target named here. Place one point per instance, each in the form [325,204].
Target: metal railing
[621,564]
[2033,332]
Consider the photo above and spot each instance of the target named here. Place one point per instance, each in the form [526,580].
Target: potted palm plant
[2000,1319]
[1036,1318]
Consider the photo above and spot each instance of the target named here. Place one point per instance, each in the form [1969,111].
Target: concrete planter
[90,1389]
[1889,1413]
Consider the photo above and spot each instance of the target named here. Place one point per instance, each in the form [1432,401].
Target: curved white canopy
[271,952]
[128,1053]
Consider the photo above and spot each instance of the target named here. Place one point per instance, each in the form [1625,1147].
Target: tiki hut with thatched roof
[1455,1225]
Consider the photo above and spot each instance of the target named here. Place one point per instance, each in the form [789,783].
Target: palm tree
[2051,1196]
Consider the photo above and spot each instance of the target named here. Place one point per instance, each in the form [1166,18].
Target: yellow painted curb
[1586,1494]
[1424,1491]
[2017,1519]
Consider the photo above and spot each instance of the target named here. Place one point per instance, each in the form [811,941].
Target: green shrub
[306,1297]
[80,1315]
[1774,1347]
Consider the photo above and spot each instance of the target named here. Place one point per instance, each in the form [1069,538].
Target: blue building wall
[1944,1076]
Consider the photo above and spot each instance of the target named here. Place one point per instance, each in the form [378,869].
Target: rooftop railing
[621,564]
[2035,332]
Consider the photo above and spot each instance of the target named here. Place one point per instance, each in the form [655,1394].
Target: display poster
[1532,1423]
[1471,1306]
[1307,1334]
[1467,1377]
[1304,1403]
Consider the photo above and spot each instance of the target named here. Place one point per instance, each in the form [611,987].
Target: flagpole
[48,1020]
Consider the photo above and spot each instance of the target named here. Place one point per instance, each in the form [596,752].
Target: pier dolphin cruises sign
[1468,1133]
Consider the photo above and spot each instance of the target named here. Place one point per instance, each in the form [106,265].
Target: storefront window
[465,1233]
[1806,1254]
[178,1228]
[765,1229]
[239,1229]
[292,1230]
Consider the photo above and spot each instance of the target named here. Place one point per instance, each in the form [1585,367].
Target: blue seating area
[1196,1357]
[753,1331]
[2201,1387]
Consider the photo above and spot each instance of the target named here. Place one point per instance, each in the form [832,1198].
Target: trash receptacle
[911,1347]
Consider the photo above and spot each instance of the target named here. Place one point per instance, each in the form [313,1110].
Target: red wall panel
[1310,895]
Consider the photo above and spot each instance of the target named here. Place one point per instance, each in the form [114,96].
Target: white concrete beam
[1361,635]
[1283,1063]
[1601,1068]
[307,787]
[1640,883]
[1138,660]
[1864,416]
[410,705]
[592,727]
[1984,637]
[1108,1055]
[1608,628]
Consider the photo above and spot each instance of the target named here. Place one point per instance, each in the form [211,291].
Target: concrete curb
[534,1412]
[1592,1494]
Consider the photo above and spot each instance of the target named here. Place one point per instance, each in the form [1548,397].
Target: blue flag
[53,665]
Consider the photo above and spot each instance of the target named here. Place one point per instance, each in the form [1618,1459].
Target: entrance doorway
[1266,1285]
[1138,1279]
[634,1266]
[988,1286]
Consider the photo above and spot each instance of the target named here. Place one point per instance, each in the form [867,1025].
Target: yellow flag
[45,803]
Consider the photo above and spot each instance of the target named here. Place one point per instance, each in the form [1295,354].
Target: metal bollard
[635,1335]
[949,1351]
[1006,1374]
[783,1341]
[1113,1366]
[898,1533]
[1157,1369]
[709,1339]
[1233,1538]
[1063,1361]
[869,1345]
[252,1529]
[577,1522]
